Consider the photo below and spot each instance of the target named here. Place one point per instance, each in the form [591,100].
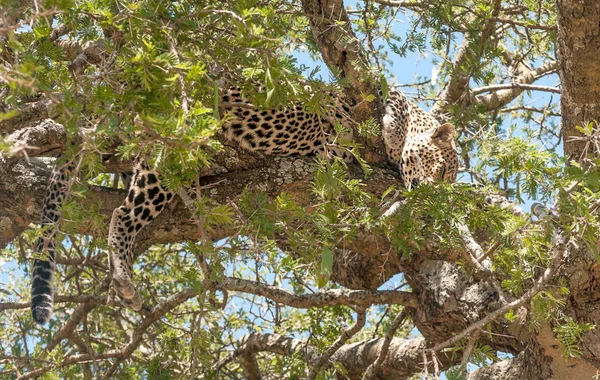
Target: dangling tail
[42,287]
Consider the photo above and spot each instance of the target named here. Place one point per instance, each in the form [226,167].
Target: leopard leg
[145,201]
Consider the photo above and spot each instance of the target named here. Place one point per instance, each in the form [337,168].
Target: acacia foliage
[149,85]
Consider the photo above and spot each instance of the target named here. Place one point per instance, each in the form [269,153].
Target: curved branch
[361,318]
[334,297]
[515,86]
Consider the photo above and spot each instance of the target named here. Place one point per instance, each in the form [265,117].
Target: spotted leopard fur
[289,131]
[422,149]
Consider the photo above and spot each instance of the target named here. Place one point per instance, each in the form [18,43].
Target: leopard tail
[44,266]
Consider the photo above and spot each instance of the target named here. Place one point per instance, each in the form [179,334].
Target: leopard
[422,150]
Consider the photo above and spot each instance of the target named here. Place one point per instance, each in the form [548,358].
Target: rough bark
[22,189]
[577,50]
[404,357]
[579,69]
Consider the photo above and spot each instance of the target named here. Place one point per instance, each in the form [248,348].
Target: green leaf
[385,90]
[216,101]
[326,267]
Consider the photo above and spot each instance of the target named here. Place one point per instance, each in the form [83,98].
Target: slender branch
[526,24]
[403,4]
[474,250]
[467,60]
[559,249]
[361,317]
[57,299]
[385,347]
[467,353]
[544,111]
[157,312]
[73,359]
[74,320]
[334,297]
[510,86]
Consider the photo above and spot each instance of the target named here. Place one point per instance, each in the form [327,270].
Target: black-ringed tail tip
[42,292]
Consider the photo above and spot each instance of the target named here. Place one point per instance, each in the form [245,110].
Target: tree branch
[333,297]
[559,249]
[467,59]
[502,96]
[342,52]
[30,112]
[361,317]
[403,358]
[43,138]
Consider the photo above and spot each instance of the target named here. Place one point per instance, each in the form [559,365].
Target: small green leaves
[589,128]
[383,85]
[569,334]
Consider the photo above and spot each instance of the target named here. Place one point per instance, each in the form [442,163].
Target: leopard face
[423,149]
[430,156]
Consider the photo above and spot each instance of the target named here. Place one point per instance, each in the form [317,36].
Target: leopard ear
[444,134]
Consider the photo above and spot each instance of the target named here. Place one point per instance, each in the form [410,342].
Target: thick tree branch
[501,96]
[42,138]
[28,112]
[466,60]
[342,52]
[403,358]
[24,184]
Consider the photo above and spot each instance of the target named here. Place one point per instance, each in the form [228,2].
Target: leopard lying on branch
[423,149]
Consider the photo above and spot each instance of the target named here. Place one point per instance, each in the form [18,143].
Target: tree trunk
[579,70]
[578,49]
